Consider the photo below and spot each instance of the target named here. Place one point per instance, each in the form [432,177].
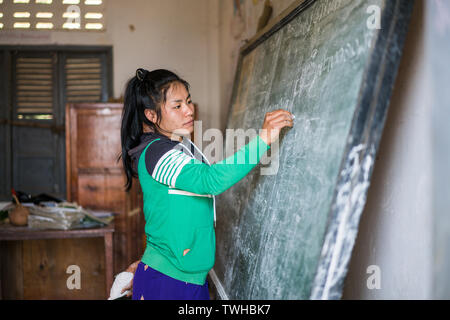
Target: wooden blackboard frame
[361,145]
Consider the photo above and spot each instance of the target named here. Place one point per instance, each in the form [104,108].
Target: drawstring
[206,159]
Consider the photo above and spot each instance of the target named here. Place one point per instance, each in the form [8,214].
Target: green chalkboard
[286,231]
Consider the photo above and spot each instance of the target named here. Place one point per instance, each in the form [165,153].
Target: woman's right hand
[132,268]
[273,123]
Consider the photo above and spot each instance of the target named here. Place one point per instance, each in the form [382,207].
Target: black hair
[146,90]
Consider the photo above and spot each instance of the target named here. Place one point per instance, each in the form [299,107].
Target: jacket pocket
[199,255]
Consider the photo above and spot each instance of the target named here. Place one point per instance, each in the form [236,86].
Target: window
[36,84]
[83,76]
[33,86]
[75,15]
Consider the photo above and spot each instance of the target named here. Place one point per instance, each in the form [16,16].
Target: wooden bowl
[19,216]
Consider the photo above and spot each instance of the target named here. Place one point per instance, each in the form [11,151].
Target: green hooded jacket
[179,203]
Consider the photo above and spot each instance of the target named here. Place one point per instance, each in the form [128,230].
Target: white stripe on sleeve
[178,170]
[169,166]
[157,171]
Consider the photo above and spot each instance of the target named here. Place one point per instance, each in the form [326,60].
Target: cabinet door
[94,140]
[96,179]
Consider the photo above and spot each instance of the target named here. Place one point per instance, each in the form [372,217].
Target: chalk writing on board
[315,68]
[316,77]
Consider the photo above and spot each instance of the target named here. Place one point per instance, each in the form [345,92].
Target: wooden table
[11,233]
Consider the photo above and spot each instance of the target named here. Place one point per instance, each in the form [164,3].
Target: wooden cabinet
[34,264]
[95,177]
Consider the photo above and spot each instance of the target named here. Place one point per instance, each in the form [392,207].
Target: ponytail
[146,90]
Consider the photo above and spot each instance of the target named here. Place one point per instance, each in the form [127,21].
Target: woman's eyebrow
[179,100]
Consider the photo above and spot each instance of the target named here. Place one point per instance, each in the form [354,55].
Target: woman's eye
[177,107]
[190,101]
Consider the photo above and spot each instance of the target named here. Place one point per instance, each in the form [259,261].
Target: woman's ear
[150,115]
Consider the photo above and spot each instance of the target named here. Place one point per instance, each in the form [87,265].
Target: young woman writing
[178,184]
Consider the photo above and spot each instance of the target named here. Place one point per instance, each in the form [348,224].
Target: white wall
[396,225]
[178,35]
[438,47]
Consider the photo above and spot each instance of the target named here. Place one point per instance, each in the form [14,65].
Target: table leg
[108,262]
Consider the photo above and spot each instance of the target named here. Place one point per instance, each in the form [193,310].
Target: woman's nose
[189,110]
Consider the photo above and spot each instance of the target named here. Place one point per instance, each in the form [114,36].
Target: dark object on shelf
[43,197]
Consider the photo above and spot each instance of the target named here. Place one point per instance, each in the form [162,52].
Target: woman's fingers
[130,293]
[274,121]
[282,117]
[129,286]
[286,123]
[276,113]
[282,114]
[283,120]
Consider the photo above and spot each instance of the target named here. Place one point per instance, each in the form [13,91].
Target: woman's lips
[189,123]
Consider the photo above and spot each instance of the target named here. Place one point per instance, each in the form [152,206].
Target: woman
[178,184]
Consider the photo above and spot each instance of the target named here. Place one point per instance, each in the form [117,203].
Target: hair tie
[141,73]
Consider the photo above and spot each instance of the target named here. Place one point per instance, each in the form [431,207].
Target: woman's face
[177,114]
